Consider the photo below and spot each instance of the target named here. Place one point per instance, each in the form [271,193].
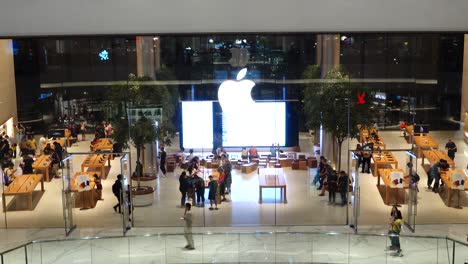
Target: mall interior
[254,97]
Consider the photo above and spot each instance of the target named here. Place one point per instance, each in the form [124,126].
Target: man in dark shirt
[162,165]
[451,149]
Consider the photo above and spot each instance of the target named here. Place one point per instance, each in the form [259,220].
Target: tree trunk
[339,155]
[138,149]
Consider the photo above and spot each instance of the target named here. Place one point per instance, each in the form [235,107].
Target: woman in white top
[83,129]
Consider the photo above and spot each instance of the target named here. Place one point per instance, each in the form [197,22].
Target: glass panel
[15,256]
[68,196]
[151,249]
[461,253]
[66,251]
[114,250]
[367,249]
[330,248]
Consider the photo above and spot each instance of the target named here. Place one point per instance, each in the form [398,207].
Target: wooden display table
[97,161]
[249,167]
[425,142]
[409,131]
[393,195]
[42,164]
[271,178]
[382,159]
[446,177]
[85,199]
[285,162]
[102,144]
[433,156]
[23,185]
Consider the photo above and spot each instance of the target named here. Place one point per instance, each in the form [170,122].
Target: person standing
[200,190]
[188,227]
[451,149]
[227,167]
[358,153]
[253,153]
[244,153]
[394,231]
[434,174]
[83,130]
[343,183]
[212,187]
[332,181]
[366,158]
[273,151]
[183,188]
[117,190]
[162,160]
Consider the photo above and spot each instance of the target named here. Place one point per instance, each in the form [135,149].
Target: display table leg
[259,190]
[285,197]
[30,201]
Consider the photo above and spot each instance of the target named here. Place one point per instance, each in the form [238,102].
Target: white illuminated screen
[197,124]
[263,125]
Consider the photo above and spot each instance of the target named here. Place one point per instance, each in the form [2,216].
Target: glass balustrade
[258,247]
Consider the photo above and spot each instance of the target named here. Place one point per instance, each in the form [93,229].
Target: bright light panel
[263,125]
[197,125]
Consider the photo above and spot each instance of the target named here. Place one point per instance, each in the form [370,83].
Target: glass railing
[260,247]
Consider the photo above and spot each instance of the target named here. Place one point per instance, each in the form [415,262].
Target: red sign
[360,98]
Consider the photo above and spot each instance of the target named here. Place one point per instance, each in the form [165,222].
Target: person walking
[395,224]
[188,227]
[117,191]
[162,165]
[451,149]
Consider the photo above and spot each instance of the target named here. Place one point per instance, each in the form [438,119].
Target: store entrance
[96,191]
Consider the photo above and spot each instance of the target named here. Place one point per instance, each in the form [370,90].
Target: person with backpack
[117,191]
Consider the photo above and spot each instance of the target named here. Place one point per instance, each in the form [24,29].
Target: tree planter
[146,180]
[142,196]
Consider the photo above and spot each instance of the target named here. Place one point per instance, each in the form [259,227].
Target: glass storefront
[371,80]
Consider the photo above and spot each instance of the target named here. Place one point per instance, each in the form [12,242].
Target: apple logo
[234,96]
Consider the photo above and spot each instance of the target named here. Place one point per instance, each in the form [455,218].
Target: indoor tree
[141,92]
[331,105]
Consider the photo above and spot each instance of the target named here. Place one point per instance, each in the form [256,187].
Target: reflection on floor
[304,206]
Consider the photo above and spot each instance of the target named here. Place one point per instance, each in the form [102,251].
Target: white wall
[71,17]
[7,82]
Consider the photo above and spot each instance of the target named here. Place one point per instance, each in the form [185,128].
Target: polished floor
[303,208]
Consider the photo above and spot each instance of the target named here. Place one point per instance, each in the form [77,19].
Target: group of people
[364,155]
[433,175]
[250,154]
[192,185]
[28,150]
[332,181]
